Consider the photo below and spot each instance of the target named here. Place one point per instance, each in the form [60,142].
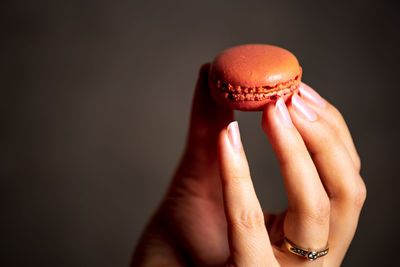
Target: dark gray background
[95,100]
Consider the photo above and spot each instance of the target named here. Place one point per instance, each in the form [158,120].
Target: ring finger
[333,118]
[337,170]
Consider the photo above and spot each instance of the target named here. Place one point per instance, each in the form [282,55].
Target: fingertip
[229,141]
[311,95]
[203,106]
[204,68]
[276,118]
[207,117]
[201,90]
[203,75]
[234,136]
[303,109]
[267,116]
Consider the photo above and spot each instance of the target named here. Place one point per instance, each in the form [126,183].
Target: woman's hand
[211,216]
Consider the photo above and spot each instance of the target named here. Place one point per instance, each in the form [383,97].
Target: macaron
[247,77]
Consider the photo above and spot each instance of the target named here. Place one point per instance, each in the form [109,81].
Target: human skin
[210,215]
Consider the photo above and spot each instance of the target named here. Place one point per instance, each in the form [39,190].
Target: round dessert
[247,77]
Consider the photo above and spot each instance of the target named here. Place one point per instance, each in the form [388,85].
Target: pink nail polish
[283,113]
[303,108]
[234,135]
[308,93]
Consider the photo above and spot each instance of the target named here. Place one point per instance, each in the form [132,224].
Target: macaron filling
[242,93]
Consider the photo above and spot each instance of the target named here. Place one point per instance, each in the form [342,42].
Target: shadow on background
[95,100]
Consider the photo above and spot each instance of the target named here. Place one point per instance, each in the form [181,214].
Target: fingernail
[303,108]
[283,113]
[234,135]
[308,93]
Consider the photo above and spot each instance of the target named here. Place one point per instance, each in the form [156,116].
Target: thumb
[206,121]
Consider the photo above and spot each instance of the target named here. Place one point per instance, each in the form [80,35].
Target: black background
[94,106]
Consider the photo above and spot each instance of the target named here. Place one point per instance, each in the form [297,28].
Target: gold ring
[309,254]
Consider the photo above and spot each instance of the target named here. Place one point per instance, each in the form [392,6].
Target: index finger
[248,238]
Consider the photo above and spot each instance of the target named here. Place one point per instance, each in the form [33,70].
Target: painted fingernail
[283,113]
[303,108]
[234,135]
[308,93]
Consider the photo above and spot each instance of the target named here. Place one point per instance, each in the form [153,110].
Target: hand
[211,216]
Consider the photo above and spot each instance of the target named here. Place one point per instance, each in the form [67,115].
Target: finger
[206,121]
[307,218]
[248,237]
[197,179]
[207,117]
[337,171]
[333,117]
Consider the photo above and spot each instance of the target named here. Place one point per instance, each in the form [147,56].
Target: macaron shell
[255,65]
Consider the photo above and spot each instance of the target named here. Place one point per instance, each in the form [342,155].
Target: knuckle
[335,112]
[319,213]
[360,195]
[357,163]
[329,132]
[329,136]
[326,135]
[355,194]
[249,220]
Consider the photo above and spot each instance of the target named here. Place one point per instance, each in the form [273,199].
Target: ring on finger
[309,254]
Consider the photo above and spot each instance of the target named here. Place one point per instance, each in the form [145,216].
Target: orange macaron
[247,77]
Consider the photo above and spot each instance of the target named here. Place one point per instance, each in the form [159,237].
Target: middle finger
[307,219]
